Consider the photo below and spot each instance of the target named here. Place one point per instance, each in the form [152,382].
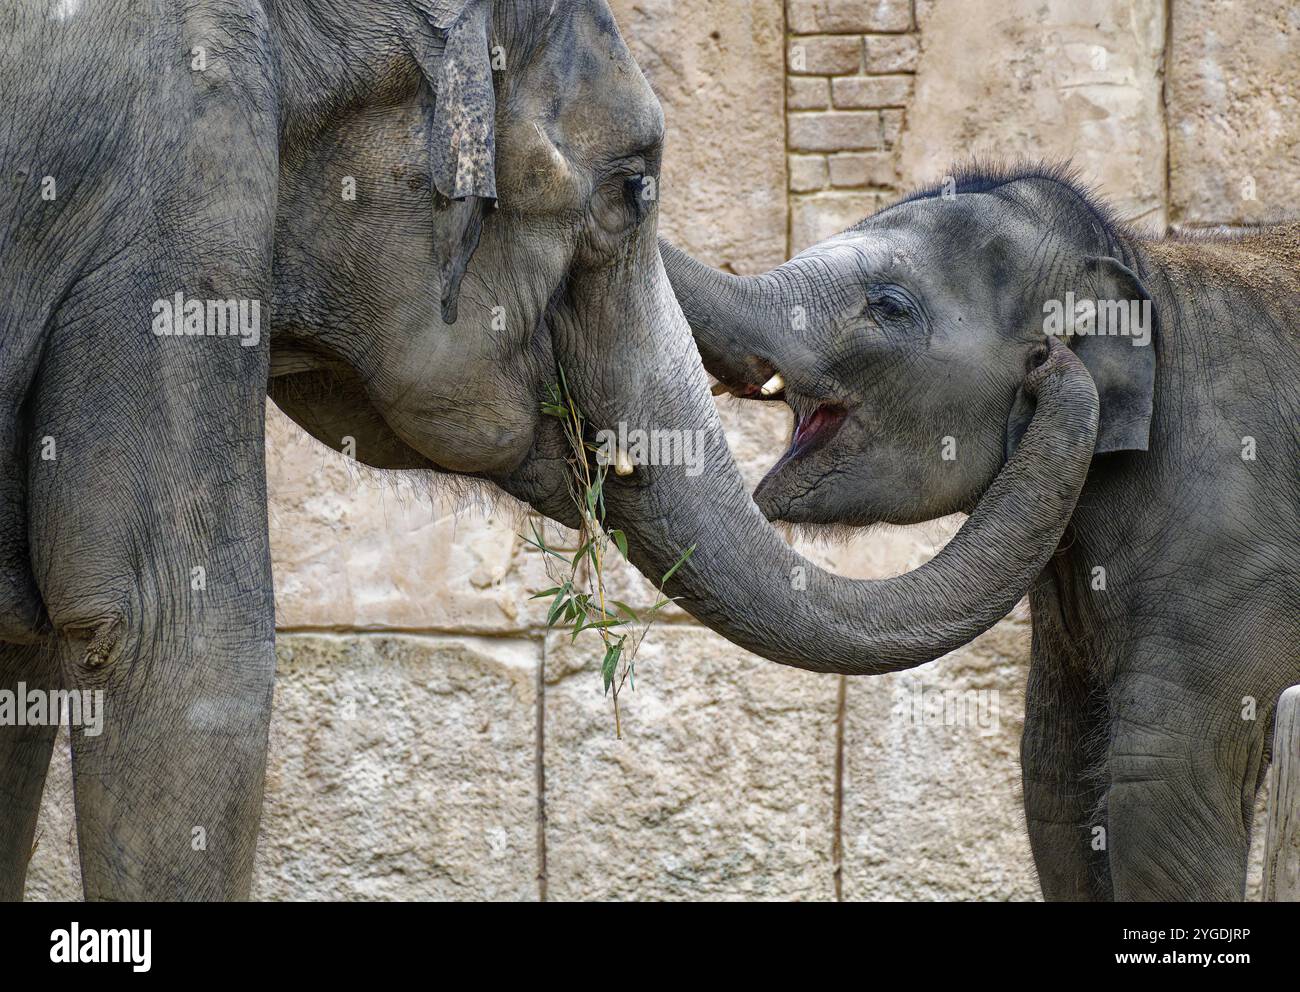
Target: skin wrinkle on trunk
[740,582]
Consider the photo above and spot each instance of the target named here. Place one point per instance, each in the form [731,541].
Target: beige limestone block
[354,547]
[834,131]
[401,767]
[877,552]
[863,169]
[722,787]
[932,811]
[823,55]
[892,53]
[1054,79]
[807,93]
[1234,112]
[855,16]
[718,70]
[820,215]
[54,873]
[871,91]
[808,173]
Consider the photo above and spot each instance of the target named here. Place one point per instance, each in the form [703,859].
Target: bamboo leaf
[680,562]
[581,552]
[620,539]
[619,604]
[538,542]
[609,665]
[556,607]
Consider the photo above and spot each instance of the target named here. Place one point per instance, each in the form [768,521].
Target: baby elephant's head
[902,345]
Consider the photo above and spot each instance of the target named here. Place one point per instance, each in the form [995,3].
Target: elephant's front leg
[24,759]
[150,547]
[1185,763]
[1061,794]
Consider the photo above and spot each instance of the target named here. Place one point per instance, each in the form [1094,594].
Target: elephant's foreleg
[153,558]
[24,760]
[1183,767]
[1061,791]
[151,552]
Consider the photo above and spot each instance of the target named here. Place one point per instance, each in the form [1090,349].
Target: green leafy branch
[578,600]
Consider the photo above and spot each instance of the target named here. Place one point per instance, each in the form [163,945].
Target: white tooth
[622,464]
[719,388]
[773,385]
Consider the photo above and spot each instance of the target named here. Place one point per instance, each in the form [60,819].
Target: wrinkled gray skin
[226,183]
[914,326]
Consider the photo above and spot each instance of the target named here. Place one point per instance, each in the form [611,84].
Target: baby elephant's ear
[1119,352]
[456,61]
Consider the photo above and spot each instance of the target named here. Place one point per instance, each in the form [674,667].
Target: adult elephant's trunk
[630,359]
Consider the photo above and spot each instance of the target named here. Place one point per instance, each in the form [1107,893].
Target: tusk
[773,385]
[720,388]
[622,464]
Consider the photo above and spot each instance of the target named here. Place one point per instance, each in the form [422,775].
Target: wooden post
[1282,839]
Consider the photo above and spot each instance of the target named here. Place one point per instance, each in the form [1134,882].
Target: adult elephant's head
[484,218]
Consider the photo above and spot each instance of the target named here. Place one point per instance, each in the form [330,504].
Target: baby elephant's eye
[886,305]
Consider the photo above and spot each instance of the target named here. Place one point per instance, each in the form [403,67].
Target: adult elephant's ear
[455,58]
[1120,353]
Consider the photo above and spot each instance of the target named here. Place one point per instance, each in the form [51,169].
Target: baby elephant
[1167,622]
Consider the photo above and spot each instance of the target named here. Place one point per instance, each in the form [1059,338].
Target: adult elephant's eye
[638,192]
[622,202]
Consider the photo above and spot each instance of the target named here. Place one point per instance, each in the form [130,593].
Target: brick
[834,131]
[891,126]
[807,93]
[861,169]
[807,173]
[824,55]
[892,53]
[871,91]
[819,216]
[847,16]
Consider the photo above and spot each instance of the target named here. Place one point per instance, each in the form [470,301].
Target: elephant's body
[1150,702]
[1167,622]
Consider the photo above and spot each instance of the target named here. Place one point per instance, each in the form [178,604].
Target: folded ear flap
[457,64]
[1120,353]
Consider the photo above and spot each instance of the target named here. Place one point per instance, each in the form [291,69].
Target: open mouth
[815,422]
[814,426]
[812,429]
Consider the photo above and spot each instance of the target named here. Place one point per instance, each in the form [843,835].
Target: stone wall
[849,78]
[431,741]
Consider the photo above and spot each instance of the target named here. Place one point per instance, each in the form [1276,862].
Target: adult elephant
[443,202]
[1166,624]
